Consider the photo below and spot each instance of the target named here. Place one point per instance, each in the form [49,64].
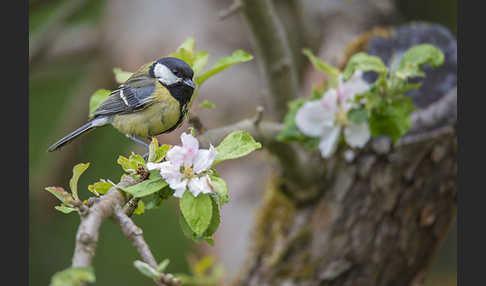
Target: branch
[273,49]
[88,230]
[135,235]
[292,164]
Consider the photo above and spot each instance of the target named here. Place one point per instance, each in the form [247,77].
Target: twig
[273,50]
[88,230]
[231,10]
[135,235]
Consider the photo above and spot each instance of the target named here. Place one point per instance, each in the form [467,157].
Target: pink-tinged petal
[199,185]
[190,146]
[329,102]
[204,159]
[311,118]
[179,188]
[153,166]
[329,141]
[170,171]
[355,85]
[357,135]
[175,155]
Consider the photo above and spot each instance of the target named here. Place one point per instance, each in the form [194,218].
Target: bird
[152,101]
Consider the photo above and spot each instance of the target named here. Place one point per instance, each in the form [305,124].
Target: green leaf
[327,69]
[414,58]
[203,265]
[146,269]
[78,170]
[59,193]
[140,208]
[100,188]
[121,76]
[163,265]
[207,104]
[357,115]
[364,62]
[185,51]
[153,184]
[188,232]
[291,132]
[197,211]
[200,60]
[215,219]
[73,276]
[237,144]
[96,99]
[65,209]
[238,56]
[220,187]
[131,164]
[156,152]
[392,119]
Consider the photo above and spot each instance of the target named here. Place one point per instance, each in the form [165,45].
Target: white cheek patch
[165,75]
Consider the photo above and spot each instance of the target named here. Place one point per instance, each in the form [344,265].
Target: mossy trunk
[377,220]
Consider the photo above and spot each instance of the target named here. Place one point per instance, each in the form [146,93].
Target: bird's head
[172,72]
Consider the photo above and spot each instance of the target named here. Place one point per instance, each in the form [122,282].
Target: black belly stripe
[183,95]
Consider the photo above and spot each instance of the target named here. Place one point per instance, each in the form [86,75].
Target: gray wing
[126,99]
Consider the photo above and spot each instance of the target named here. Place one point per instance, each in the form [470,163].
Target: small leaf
[220,187]
[163,265]
[73,276]
[100,188]
[78,170]
[414,58]
[146,269]
[392,119]
[131,163]
[121,76]
[364,62]
[215,219]
[140,208]
[207,104]
[357,115]
[147,187]
[197,211]
[156,152]
[188,232]
[96,99]
[65,209]
[59,193]
[238,56]
[185,51]
[327,69]
[203,265]
[237,144]
[200,60]
[291,132]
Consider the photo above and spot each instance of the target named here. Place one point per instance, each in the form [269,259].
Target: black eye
[176,72]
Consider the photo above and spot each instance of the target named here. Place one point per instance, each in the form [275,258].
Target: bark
[375,221]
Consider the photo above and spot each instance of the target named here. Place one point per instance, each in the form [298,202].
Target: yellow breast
[153,120]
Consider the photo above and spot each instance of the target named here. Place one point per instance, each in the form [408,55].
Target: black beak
[190,83]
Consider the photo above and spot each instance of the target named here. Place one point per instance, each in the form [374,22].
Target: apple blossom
[186,167]
[325,118]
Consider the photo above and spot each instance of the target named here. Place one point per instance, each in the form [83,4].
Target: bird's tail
[71,136]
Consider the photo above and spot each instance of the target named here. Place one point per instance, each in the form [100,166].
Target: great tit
[154,100]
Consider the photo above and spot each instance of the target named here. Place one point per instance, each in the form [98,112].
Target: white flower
[186,166]
[325,118]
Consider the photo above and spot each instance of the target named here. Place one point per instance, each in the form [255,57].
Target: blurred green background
[74,45]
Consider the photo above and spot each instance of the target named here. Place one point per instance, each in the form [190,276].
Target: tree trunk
[375,221]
